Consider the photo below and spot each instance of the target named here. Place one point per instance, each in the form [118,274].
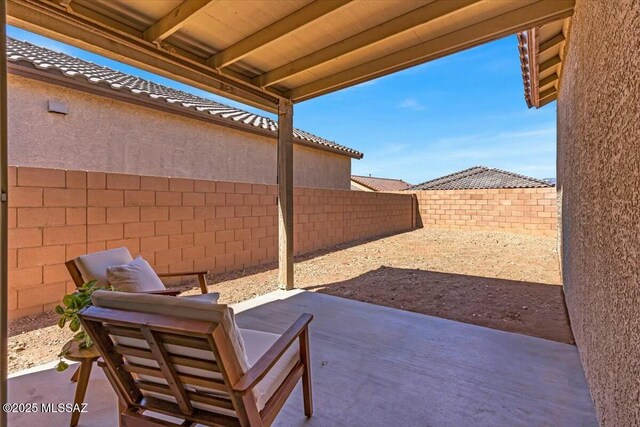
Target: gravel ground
[498,280]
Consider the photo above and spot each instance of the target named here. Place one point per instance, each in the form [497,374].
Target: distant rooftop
[39,58]
[381,184]
[480,177]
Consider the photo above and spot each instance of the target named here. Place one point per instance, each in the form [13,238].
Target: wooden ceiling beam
[273,32]
[549,63]
[548,99]
[126,45]
[520,19]
[174,20]
[548,80]
[417,17]
[546,93]
[553,41]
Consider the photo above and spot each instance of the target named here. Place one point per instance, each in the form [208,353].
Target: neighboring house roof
[27,55]
[380,184]
[480,177]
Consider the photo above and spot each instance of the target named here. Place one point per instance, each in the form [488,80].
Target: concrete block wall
[177,224]
[519,210]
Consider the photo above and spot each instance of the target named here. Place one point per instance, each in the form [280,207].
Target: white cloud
[411,104]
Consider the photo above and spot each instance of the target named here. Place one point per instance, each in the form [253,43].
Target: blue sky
[460,111]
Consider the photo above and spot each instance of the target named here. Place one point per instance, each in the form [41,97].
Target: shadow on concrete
[535,309]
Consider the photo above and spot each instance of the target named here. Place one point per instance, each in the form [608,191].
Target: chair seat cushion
[256,343]
[211,297]
[94,266]
[135,276]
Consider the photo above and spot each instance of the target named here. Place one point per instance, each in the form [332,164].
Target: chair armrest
[202,278]
[185,273]
[261,368]
[169,292]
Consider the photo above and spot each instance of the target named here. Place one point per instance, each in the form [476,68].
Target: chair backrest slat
[191,362]
[186,379]
[174,339]
[170,408]
[168,369]
[216,401]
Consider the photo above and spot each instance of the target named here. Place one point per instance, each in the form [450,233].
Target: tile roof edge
[451,177]
[530,178]
[373,187]
[54,75]
[468,172]
[378,177]
[368,185]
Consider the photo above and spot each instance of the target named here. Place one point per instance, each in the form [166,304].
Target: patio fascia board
[26,69]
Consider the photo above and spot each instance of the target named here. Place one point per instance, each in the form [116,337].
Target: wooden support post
[285,194]
[4,189]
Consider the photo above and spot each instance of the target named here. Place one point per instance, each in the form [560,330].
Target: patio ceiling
[258,51]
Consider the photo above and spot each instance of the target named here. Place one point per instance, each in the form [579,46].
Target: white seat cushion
[135,276]
[256,343]
[211,297]
[94,266]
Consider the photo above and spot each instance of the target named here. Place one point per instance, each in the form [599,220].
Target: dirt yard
[498,280]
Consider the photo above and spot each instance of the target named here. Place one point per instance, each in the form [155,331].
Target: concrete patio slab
[378,366]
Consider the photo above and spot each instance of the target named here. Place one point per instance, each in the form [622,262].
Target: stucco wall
[599,177]
[102,134]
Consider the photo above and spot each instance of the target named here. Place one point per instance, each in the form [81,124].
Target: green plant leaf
[88,342]
[68,300]
[61,366]
[74,303]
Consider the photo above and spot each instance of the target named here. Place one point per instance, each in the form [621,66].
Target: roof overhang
[258,51]
[542,51]
[52,76]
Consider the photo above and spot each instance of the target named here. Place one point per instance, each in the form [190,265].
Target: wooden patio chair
[188,361]
[94,267]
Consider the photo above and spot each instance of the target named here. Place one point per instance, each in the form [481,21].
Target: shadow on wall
[535,309]
[416,212]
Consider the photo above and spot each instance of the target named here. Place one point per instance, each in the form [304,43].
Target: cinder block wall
[518,210]
[177,224]
[599,177]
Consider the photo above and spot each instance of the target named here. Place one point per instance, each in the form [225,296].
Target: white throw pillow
[136,276]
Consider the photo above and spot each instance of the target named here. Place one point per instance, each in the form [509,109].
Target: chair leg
[202,279]
[81,389]
[306,375]
[76,374]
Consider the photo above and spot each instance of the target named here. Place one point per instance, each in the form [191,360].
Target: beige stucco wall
[599,178]
[103,134]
